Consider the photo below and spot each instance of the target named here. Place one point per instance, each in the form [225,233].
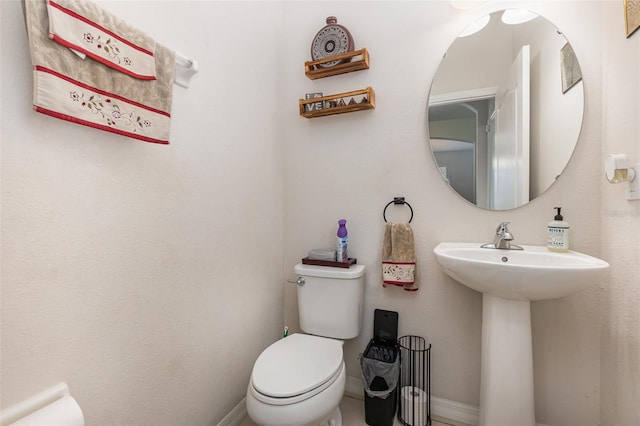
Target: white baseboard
[235,416]
[457,412]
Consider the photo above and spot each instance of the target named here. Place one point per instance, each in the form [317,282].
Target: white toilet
[299,380]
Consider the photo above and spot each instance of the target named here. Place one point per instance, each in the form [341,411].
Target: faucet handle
[504,232]
[503,227]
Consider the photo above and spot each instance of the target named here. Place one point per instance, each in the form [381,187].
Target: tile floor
[353,415]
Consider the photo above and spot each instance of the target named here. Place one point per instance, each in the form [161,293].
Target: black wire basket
[415,381]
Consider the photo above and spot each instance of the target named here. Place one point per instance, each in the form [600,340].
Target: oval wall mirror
[505,109]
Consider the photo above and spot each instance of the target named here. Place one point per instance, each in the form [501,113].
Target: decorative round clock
[331,40]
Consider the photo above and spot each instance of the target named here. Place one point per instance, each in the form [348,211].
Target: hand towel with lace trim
[123,99]
[399,256]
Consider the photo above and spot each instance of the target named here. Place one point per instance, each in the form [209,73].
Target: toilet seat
[296,368]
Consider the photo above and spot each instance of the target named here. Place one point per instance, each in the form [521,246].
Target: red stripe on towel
[98,126]
[102,92]
[399,283]
[100,58]
[100,27]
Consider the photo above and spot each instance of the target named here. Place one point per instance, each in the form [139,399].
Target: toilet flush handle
[299,281]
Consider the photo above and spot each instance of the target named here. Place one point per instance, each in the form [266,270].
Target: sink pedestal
[506,380]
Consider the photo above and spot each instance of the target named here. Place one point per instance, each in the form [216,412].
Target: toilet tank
[330,303]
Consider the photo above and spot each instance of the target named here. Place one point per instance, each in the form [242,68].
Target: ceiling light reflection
[475,26]
[517,16]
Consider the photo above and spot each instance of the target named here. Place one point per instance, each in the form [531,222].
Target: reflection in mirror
[501,129]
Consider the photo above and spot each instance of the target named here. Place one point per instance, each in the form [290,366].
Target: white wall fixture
[185,68]
[53,406]
[617,169]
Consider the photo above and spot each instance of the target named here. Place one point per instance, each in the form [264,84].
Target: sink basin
[534,273]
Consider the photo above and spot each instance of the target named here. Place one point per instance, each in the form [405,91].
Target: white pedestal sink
[509,280]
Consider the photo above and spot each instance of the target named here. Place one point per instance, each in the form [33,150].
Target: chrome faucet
[502,239]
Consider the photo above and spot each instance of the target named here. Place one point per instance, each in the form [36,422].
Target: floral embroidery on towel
[398,273]
[110,47]
[86,30]
[110,111]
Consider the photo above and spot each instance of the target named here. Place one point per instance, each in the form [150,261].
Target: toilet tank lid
[354,271]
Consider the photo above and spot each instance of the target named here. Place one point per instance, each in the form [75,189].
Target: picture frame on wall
[569,68]
[631,16]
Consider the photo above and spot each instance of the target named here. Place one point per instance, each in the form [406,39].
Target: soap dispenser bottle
[558,233]
[342,251]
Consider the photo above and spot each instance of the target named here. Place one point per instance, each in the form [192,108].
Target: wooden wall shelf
[359,61]
[308,106]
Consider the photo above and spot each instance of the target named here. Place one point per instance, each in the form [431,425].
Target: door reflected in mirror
[500,127]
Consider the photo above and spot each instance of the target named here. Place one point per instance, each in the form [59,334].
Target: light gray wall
[620,339]
[147,277]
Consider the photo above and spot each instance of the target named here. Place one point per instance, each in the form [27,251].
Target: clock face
[330,41]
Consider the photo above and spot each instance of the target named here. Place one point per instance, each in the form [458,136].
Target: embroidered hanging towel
[399,256]
[92,68]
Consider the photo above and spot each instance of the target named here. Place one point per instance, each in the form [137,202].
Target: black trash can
[380,368]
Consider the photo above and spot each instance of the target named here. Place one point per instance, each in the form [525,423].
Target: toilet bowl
[300,379]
